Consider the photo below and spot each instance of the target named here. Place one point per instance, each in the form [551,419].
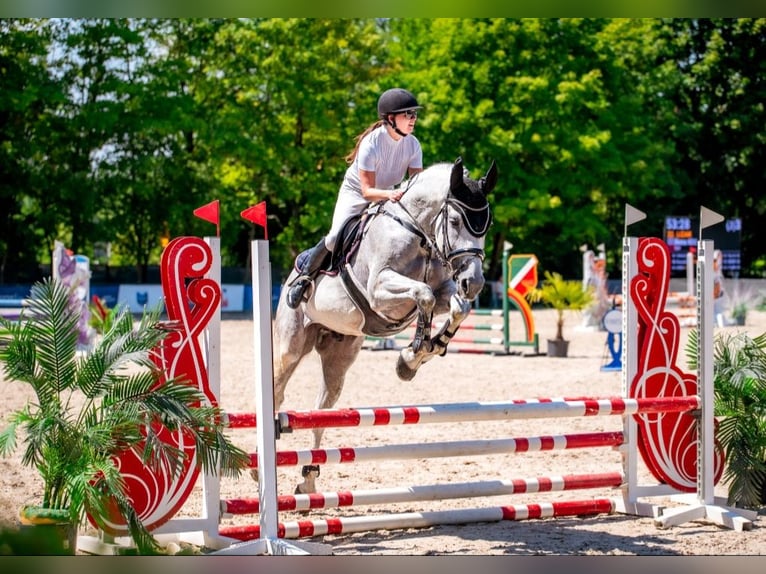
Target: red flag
[210,213]
[257,214]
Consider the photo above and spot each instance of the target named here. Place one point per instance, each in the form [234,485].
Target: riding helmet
[396,100]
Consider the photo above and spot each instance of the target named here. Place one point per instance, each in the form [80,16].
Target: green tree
[557,105]
[720,133]
[84,63]
[116,130]
[28,97]
[150,175]
[282,100]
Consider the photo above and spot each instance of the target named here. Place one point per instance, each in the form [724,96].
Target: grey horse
[412,260]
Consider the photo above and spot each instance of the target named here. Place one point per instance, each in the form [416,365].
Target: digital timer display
[681,235]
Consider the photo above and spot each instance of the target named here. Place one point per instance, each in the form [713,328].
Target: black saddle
[345,246]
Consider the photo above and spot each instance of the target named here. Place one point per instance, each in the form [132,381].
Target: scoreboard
[681,235]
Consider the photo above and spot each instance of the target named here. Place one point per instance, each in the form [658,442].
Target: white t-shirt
[390,159]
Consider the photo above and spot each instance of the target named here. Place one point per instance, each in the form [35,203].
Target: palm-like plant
[101,316]
[739,368]
[563,295]
[90,405]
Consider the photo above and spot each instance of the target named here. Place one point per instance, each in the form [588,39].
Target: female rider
[384,154]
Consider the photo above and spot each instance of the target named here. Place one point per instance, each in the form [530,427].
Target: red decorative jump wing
[190,301]
[667,441]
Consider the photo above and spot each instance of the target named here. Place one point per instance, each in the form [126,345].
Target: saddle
[345,245]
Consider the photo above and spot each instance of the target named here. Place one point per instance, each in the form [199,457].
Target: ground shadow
[559,536]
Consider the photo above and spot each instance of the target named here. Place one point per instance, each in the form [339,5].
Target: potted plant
[92,404]
[739,314]
[740,300]
[562,295]
[739,371]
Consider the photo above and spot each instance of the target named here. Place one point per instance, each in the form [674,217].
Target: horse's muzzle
[469,288]
[469,276]
[470,280]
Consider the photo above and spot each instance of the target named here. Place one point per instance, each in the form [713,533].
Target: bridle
[444,253]
[462,209]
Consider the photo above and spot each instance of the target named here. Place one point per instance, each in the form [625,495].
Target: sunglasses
[410,114]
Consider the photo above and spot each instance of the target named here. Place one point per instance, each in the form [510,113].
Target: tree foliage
[115,130]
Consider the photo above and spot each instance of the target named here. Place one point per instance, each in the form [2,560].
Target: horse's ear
[456,178]
[490,179]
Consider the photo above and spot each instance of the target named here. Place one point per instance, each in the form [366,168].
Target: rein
[445,254]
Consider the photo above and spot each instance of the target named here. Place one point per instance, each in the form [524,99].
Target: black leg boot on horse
[309,268]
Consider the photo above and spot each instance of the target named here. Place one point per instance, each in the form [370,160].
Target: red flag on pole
[257,214]
[210,213]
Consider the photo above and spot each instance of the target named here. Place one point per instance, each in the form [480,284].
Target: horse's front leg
[459,310]
[410,360]
[422,334]
[392,295]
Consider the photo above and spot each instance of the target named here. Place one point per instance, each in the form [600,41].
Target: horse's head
[465,224]
[469,197]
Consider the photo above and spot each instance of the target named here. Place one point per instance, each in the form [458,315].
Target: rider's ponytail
[352,154]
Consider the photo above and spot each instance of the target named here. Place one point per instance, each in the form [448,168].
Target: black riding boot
[308,272]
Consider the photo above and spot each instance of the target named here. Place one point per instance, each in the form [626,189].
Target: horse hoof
[403,371]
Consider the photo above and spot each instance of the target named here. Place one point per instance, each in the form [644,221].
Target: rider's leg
[309,270]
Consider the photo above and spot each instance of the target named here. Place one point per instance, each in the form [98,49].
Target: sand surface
[453,378]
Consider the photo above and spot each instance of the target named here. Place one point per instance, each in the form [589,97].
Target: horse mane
[429,187]
[436,179]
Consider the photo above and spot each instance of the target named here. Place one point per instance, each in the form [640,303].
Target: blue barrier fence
[140,295]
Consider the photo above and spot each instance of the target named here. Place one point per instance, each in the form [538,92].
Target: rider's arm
[372,193]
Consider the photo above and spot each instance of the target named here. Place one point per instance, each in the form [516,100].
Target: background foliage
[112,131]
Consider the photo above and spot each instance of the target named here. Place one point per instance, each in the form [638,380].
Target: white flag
[709,217]
[633,215]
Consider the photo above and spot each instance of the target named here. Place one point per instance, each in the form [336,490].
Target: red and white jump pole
[311,528]
[483,411]
[444,449]
[320,500]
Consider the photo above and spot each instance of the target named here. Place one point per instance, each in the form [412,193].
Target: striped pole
[437,326]
[345,498]
[486,313]
[500,343]
[475,351]
[487,327]
[474,340]
[310,528]
[483,411]
[241,420]
[444,449]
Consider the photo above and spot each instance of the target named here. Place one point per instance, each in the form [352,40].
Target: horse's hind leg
[337,353]
[291,342]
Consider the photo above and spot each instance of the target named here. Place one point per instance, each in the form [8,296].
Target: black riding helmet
[396,101]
